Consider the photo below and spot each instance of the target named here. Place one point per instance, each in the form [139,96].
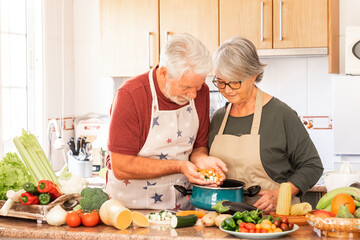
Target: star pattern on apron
[179,133]
[163,156]
[149,184]
[155,121]
[157,197]
[189,109]
[191,140]
[126,182]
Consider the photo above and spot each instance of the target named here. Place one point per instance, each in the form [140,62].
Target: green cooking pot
[204,197]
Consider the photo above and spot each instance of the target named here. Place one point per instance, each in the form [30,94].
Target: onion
[56,216]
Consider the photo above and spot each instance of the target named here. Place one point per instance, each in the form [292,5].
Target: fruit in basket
[344,212]
[326,201]
[342,199]
[323,213]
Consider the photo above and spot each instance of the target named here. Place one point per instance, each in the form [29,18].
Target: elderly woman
[260,138]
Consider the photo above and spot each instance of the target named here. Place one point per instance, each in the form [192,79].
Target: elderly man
[160,121]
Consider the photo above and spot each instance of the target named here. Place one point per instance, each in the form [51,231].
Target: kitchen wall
[302,82]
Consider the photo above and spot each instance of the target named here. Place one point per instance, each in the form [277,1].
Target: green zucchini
[183,221]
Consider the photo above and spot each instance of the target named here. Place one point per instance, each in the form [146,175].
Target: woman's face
[240,95]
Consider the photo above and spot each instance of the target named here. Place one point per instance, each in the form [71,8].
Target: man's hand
[213,163]
[267,201]
[191,173]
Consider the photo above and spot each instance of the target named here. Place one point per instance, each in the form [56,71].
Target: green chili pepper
[228,228]
[237,216]
[219,207]
[230,222]
[30,188]
[270,218]
[255,215]
[248,219]
[44,198]
[239,221]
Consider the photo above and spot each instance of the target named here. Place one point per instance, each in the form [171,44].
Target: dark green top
[286,150]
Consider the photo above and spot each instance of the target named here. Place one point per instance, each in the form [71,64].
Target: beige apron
[171,136]
[242,153]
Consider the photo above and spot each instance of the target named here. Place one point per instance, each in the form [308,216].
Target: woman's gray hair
[182,53]
[237,59]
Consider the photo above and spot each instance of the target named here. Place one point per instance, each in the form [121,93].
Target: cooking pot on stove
[204,197]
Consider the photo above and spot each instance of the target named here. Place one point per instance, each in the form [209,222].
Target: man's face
[182,90]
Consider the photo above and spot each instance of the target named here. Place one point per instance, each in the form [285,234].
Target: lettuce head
[13,174]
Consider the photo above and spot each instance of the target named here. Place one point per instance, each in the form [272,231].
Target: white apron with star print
[171,136]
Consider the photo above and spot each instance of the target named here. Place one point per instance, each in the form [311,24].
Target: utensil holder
[80,167]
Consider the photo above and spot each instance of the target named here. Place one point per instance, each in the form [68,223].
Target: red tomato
[80,212]
[90,219]
[250,226]
[243,230]
[73,219]
[252,230]
[257,230]
[263,231]
[242,225]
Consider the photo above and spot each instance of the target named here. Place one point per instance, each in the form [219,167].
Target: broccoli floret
[92,198]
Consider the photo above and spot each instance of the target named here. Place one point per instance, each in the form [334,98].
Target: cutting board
[38,212]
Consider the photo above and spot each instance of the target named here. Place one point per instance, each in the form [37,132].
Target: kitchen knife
[71,144]
[78,146]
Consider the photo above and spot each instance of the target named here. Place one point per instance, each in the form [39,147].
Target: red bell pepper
[27,198]
[47,186]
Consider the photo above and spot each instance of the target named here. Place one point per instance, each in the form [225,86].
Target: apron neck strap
[155,104]
[257,115]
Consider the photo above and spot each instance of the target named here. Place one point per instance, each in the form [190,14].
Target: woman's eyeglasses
[222,85]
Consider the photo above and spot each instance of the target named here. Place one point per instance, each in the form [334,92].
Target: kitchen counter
[23,228]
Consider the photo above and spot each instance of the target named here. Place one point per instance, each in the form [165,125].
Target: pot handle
[252,191]
[183,190]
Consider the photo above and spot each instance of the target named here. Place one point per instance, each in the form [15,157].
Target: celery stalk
[26,159]
[34,156]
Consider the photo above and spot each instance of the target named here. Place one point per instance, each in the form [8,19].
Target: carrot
[200,214]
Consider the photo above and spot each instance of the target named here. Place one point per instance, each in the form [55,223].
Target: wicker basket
[333,224]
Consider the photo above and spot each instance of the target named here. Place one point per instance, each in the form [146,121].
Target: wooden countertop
[23,228]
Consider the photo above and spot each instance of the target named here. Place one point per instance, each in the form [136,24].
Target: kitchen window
[21,101]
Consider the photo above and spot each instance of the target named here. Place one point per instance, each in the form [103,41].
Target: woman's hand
[267,201]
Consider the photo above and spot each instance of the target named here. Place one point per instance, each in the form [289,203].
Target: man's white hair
[184,53]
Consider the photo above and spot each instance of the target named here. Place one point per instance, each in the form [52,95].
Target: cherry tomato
[250,226]
[242,225]
[80,212]
[73,219]
[243,230]
[90,219]
[284,219]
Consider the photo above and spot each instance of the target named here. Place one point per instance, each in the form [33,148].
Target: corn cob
[300,209]
[284,199]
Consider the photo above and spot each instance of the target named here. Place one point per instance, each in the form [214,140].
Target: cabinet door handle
[280,22]
[148,48]
[262,22]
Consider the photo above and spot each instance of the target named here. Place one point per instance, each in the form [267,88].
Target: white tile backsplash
[286,79]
